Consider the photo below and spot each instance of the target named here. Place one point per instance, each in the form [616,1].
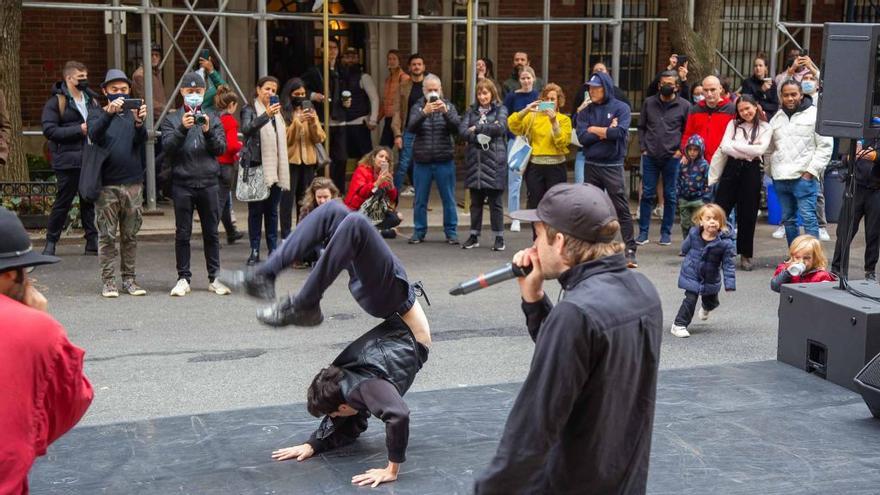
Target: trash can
[834,189]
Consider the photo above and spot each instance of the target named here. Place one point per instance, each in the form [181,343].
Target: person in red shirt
[708,118]
[226,102]
[374,176]
[44,392]
[806,264]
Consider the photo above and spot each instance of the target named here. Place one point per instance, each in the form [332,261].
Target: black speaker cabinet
[829,332]
[868,382]
[850,81]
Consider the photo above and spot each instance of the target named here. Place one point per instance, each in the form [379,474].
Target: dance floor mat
[754,428]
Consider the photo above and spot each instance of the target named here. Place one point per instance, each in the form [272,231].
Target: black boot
[91,247]
[249,281]
[283,313]
[254,258]
[233,236]
[49,250]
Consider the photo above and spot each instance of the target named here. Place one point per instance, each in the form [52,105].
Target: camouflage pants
[119,208]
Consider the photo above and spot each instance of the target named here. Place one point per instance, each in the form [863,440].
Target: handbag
[323,158]
[574,138]
[251,186]
[376,207]
[93,159]
[519,153]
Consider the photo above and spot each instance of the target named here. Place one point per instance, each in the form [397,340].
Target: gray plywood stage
[751,428]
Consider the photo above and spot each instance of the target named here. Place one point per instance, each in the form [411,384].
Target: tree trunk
[10,44]
[699,43]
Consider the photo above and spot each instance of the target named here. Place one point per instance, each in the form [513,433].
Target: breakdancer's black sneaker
[284,313]
[251,282]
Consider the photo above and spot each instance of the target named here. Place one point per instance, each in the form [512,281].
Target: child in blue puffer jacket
[710,253]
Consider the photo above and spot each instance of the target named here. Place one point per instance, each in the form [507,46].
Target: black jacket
[486,169]
[583,419]
[435,133]
[769,101]
[661,125]
[250,127]
[314,82]
[64,131]
[191,152]
[119,135]
[378,368]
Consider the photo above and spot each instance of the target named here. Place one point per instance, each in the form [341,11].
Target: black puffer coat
[64,129]
[435,133]
[486,169]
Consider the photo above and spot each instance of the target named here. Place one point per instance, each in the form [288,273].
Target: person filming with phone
[374,178]
[119,129]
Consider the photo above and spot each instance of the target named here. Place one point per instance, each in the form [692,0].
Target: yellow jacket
[540,134]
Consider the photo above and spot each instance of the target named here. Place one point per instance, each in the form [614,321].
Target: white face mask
[699,98]
[484,141]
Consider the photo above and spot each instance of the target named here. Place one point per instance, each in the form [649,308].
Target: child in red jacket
[226,102]
[806,264]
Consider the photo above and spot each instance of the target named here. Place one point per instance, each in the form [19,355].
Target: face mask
[82,84]
[296,101]
[484,141]
[193,100]
[667,90]
[699,98]
[809,87]
[116,96]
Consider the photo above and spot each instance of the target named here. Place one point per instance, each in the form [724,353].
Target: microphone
[496,276]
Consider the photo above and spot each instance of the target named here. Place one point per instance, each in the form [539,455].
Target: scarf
[273,150]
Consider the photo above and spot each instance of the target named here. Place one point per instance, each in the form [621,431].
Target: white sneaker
[681,332]
[779,233]
[181,289]
[514,226]
[408,191]
[218,288]
[823,234]
[703,314]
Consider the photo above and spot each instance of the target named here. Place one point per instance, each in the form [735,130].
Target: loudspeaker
[868,382]
[850,96]
[828,331]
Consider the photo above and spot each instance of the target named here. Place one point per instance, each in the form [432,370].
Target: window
[748,34]
[867,11]
[459,53]
[637,47]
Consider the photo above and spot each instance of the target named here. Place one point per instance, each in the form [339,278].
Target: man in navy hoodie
[602,131]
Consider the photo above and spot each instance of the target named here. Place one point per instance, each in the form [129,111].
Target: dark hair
[325,395]
[726,84]
[791,82]
[73,66]
[490,67]
[332,39]
[739,121]
[370,158]
[414,56]
[267,79]
[224,97]
[292,84]
[669,73]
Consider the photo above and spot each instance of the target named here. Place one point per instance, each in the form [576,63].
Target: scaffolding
[147,11]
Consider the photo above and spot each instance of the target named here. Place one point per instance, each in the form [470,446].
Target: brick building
[50,37]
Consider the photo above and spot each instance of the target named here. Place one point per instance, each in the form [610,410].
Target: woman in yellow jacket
[549,133]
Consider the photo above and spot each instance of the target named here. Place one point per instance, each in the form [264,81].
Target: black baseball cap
[16,250]
[579,210]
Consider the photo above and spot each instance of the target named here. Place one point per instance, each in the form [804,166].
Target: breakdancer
[368,377]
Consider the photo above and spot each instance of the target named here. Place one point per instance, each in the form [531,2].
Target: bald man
[708,118]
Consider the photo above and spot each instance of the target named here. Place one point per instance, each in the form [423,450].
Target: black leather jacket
[251,124]
[191,152]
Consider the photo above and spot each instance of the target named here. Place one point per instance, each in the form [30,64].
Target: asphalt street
[159,356]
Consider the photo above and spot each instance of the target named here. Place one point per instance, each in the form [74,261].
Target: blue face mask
[193,100]
[116,96]
[809,87]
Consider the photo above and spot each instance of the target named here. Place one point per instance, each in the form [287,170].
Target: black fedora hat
[15,245]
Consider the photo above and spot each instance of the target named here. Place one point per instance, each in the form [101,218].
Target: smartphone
[274,100]
[546,105]
[206,54]
[307,106]
[132,103]
[682,60]
[805,53]
[433,97]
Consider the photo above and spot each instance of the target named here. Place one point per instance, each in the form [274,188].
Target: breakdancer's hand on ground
[374,477]
[299,452]
[531,286]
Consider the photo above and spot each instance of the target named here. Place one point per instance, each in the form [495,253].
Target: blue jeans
[514,184]
[798,197]
[444,174]
[405,159]
[579,167]
[652,170]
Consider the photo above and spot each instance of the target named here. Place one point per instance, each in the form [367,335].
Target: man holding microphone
[583,418]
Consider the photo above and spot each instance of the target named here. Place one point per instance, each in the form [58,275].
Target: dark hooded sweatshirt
[610,151]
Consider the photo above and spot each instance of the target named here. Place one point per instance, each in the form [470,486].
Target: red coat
[709,124]
[43,391]
[233,145]
[361,187]
[808,277]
